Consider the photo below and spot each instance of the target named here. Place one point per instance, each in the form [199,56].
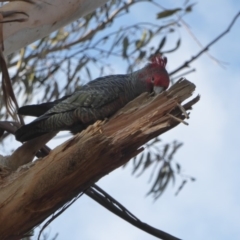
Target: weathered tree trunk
[32,193]
[44,17]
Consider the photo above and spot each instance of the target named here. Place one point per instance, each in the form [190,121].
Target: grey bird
[97,100]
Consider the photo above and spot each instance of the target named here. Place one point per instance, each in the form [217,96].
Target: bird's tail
[29,131]
[37,110]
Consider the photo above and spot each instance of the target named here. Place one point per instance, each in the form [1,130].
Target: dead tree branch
[35,191]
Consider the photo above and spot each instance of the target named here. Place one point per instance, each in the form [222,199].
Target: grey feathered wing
[93,102]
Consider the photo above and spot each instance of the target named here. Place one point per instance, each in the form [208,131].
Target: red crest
[158,61]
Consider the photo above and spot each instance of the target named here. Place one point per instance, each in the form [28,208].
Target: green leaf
[178,167]
[189,7]
[175,48]
[138,164]
[166,147]
[88,73]
[142,54]
[168,13]
[161,44]
[125,47]
[140,43]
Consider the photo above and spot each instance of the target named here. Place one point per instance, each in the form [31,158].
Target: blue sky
[210,207]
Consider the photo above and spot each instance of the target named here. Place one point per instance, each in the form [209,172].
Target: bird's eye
[152,80]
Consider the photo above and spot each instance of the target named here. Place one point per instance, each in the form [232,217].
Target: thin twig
[184,74]
[186,64]
[177,119]
[104,199]
[199,43]
[56,214]
[183,110]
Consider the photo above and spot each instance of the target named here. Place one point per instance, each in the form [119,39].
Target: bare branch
[186,64]
[105,200]
[199,43]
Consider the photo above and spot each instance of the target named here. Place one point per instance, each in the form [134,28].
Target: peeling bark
[35,191]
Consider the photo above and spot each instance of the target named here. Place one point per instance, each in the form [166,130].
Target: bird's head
[156,75]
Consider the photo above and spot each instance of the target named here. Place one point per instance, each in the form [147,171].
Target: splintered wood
[153,114]
[32,193]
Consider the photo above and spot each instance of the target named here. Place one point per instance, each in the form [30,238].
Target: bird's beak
[158,89]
